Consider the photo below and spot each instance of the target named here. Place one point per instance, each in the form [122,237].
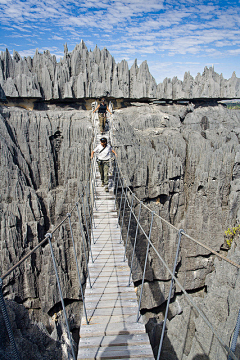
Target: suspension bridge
[112,331]
[111,324]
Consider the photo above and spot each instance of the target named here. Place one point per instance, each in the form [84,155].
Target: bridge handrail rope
[42,242]
[172,273]
[189,298]
[176,229]
[90,196]
[48,237]
[171,225]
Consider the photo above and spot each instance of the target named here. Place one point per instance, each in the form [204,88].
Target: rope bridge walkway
[111,326]
[112,332]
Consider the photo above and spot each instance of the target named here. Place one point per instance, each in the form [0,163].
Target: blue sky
[173,36]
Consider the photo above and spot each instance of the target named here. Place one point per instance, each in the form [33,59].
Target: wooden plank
[117,352]
[111,278]
[119,296]
[112,311]
[117,340]
[102,304]
[112,332]
[111,329]
[109,319]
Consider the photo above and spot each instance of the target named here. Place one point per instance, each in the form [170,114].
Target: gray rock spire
[83,73]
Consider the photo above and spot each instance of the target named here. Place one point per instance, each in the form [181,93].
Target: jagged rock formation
[79,74]
[32,338]
[183,162]
[219,303]
[44,167]
[84,73]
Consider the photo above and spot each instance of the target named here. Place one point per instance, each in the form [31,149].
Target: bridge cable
[189,298]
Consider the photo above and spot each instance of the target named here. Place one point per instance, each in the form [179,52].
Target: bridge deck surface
[113,332]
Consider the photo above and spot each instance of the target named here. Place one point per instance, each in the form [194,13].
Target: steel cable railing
[186,235]
[172,273]
[119,182]
[164,220]
[88,198]
[8,325]
[86,202]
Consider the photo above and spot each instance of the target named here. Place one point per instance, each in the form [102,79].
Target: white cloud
[162,70]
[128,28]
[20,36]
[234,52]
[54,51]
[90,43]
[55,37]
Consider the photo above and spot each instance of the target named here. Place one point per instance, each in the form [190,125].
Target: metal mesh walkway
[112,332]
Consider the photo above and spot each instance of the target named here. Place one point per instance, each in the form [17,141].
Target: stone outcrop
[79,74]
[220,305]
[188,337]
[32,339]
[183,163]
[89,74]
[44,167]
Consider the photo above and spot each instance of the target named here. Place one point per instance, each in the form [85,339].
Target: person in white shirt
[103,152]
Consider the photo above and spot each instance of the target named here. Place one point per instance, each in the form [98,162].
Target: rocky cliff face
[84,73]
[183,163]
[79,74]
[44,167]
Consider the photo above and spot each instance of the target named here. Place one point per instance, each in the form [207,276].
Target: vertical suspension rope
[94,173]
[129,222]
[116,190]
[170,292]
[135,240]
[84,247]
[8,325]
[85,218]
[91,205]
[49,235]
[87,240]
[78,272]
[93,184]
[90,218]
[120,206]
[235,336]
[115,172]
[121,227]
[145,265]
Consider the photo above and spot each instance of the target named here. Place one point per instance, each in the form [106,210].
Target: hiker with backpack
[103,152]
[102,114]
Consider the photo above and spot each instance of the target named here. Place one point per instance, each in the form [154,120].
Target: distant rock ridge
[86,74]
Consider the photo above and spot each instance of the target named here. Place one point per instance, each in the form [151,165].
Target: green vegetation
[234,106]
[230,233]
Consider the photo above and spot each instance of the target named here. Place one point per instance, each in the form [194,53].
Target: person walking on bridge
[102,114]
[103,152]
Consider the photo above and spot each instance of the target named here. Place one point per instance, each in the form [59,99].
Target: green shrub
[230,233]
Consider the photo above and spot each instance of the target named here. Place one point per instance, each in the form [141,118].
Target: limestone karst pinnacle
[86,74]
[181,160]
